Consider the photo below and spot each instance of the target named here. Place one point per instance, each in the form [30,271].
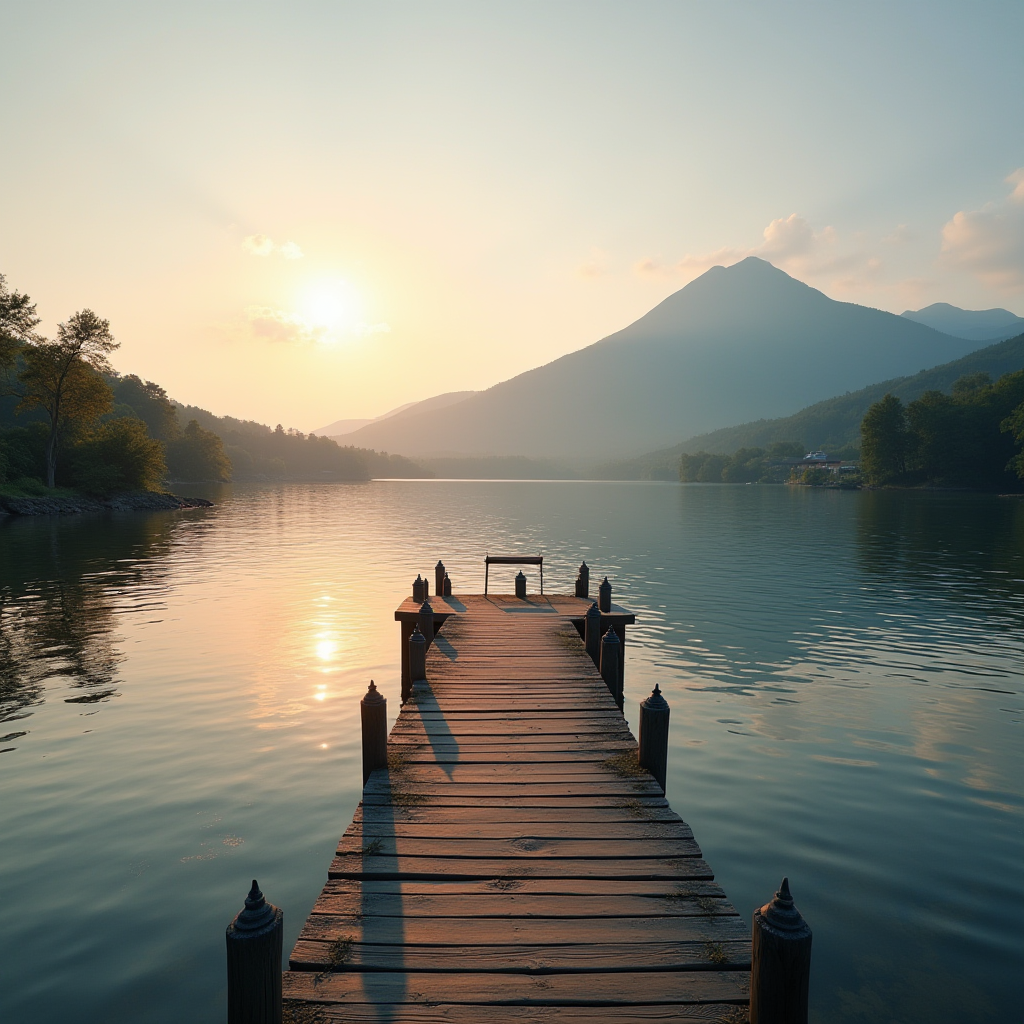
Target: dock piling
[611,652]
[426,622]
[447,586]
[592,633]
[780,969]
[653,754]
[419,594]
[254,941]
[417,659]
[583,581]
[439,578]
[604,595]
[373,711]
[521,585]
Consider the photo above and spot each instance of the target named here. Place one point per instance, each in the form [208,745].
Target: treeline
[747,465]
[973,437]
[67,419]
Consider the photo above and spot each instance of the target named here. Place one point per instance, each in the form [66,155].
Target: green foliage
[119,456]
[966,439]
[786,450]
[149,403]
[885,442]
[18,321]
[23,451]
[816,477]
[1014,426]
[969,383]
[743,466]
[198,455]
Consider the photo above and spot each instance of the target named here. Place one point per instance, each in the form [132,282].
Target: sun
[332,306]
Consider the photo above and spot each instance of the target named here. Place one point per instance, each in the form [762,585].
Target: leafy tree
[885,441]
[18,321]
[786,450]
[198,455]
[745,466]
[149,402]
[1014,426]
[63,378]
[118,456]
[970,383]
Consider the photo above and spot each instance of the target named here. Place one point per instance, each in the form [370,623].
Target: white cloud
[595,266]
[790,243]
[989,242]
[281,326]
[261,245]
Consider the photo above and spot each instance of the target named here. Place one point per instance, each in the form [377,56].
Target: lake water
[179,705]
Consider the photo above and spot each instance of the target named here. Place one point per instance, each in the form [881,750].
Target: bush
[119,456]
[23,451]
[816,477]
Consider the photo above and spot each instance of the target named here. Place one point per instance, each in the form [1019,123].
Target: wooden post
[254,940]
[592,633]
[604,595]
[417,658]
[583,581]
[373,710]
[521,584]
[418,593]
[610,655]
[654,714]
[780,969]
[426,622]
[447,586]
[439,578]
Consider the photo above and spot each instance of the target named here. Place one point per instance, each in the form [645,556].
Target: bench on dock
[490,560]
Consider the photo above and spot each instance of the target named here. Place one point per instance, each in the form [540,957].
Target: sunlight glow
[333,306]
[325,650]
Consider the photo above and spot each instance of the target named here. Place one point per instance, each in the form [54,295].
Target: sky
[305,212]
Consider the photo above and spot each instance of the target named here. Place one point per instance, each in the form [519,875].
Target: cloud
[989,242]
[261,245]
[790,243]
[277,325]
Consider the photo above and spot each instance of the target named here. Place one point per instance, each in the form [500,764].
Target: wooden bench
[490,560]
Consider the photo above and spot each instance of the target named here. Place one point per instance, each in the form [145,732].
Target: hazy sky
[307,211]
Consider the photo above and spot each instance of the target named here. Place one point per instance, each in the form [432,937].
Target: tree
[198,455]
[1014,426]
[885,441]
[18,322]
[149,402]
[119,456]
[63,377]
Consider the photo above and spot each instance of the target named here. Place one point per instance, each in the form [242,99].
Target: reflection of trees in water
[969,546]
[61,583]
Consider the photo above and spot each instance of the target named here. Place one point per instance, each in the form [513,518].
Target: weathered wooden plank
[668,868]
[526,847]
[519,958]
[618,989]
[560,886]
[517,904]
[527,787]
[639,801]
[634,829]
[300,1012]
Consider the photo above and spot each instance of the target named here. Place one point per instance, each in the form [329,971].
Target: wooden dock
[513,862]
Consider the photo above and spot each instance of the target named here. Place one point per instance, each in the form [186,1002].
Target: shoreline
[140,501]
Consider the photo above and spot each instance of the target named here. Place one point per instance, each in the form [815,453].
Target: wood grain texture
[512,862]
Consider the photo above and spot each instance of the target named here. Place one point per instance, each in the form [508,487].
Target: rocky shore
[65,506]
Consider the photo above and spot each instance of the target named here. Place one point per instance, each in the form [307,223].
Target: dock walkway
[513,863]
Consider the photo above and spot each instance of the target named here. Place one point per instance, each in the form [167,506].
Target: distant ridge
[973,324]
[747,341]
[341,428]
[834,423]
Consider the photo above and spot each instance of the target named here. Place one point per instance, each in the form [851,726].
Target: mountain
[832,424]
[341,428]
[973,324]
[735,344]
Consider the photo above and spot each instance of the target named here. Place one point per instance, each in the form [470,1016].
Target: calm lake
[179,706]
